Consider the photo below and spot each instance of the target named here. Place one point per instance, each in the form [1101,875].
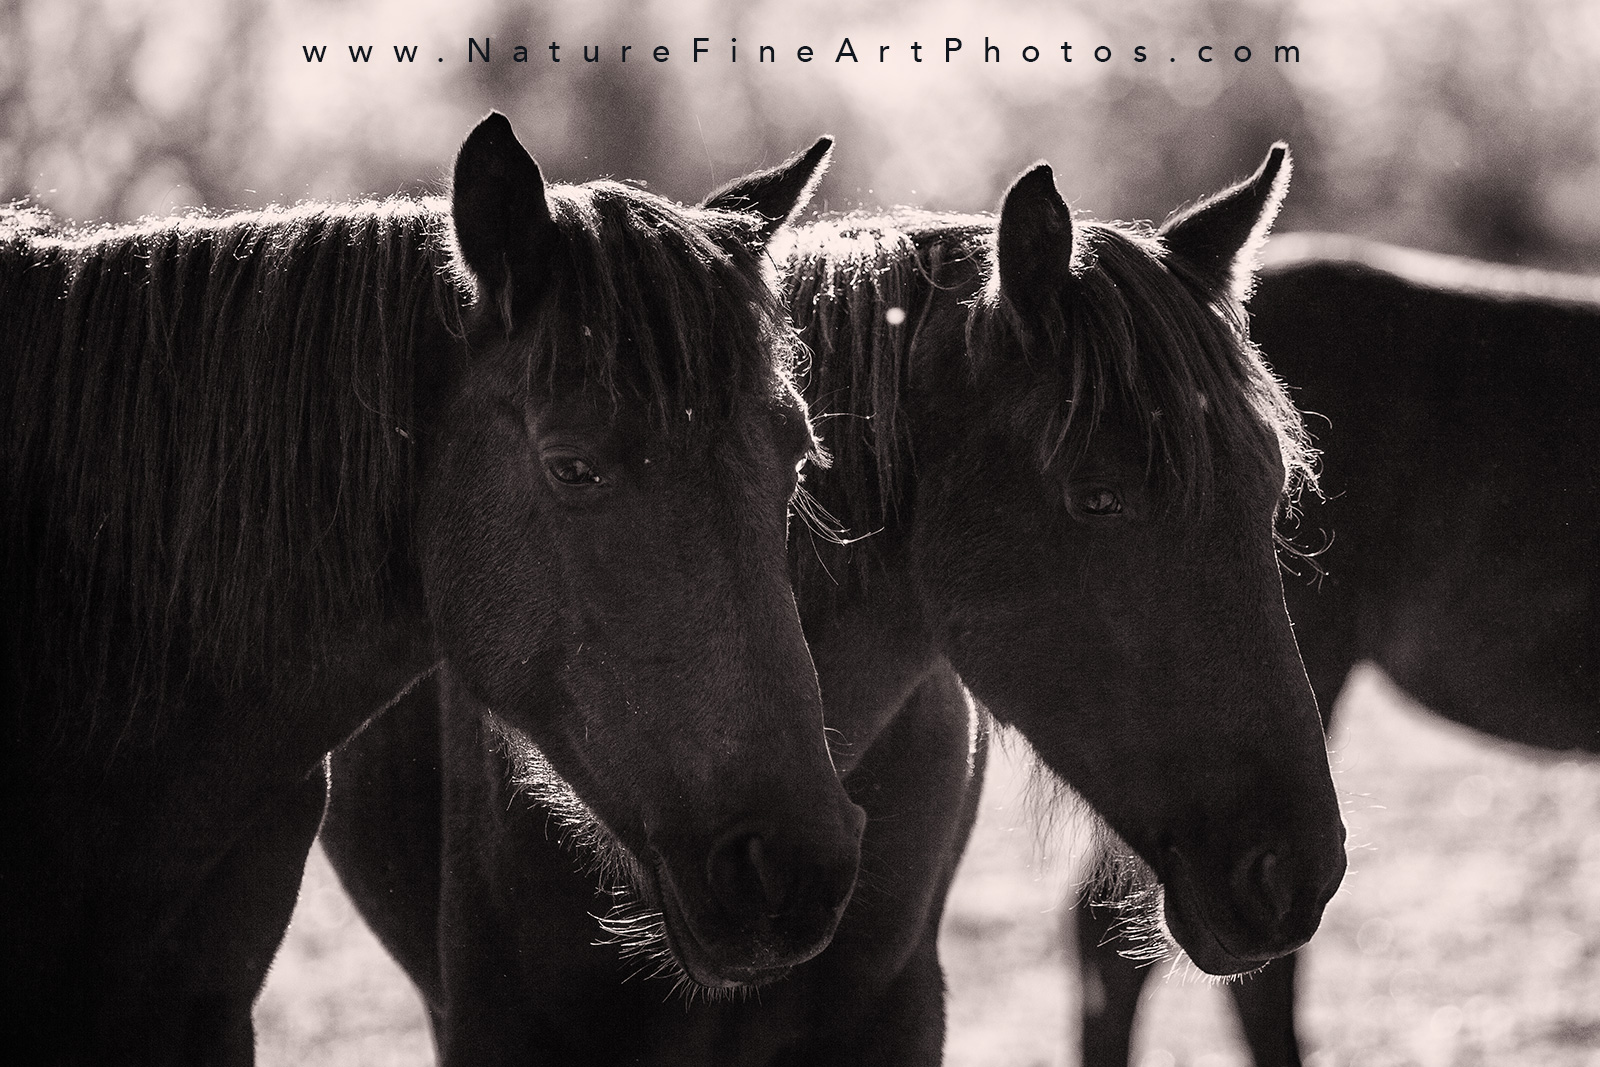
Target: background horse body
[1457,406]
[1068,462]
[263,472]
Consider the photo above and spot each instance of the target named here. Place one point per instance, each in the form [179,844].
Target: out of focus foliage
[1463,125]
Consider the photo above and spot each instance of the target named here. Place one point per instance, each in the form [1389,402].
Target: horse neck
[860,601]
[871,316]
[213,447]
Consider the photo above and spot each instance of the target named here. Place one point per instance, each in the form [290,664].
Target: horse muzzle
[1269,903]
[767,900]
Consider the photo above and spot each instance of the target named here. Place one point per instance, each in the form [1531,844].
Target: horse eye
[1098,502]
[570,470]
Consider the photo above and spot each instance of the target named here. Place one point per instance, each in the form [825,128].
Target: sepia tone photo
[1004,535]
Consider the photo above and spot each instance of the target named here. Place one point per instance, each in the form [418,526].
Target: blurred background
[1469,929]
[1466,126]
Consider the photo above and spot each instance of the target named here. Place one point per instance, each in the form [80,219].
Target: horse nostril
[747,879]
[774,886]
[1264,886]
[762,877]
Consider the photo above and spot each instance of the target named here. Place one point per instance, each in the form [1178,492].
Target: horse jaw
[647,922]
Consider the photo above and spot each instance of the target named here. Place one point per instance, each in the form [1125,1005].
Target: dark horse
[265,471]
[1069,461]
[1458,412]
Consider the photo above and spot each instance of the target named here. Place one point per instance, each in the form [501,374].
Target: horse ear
[502,219]
[1034,245]
[778,194]
[1222,235]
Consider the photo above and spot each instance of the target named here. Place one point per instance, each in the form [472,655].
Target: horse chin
[1201,943]
[719,977]
[1185,916]
[648,922]
[709,967]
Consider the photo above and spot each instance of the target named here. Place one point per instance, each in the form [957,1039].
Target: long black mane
[209,431]
[1139,330]
[667,304]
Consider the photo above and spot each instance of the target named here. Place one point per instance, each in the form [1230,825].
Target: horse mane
[1138,329]
[669,305]
[1144,328]
[209,437]
[858,287]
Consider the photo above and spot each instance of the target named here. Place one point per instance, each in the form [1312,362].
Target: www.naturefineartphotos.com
[481,51]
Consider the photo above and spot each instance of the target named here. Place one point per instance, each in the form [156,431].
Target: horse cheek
[488,572]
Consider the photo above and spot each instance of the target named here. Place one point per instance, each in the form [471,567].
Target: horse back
[1460,510]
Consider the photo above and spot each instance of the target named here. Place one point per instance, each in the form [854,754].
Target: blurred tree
[1462,125]
[111,111]
[1454,125]
[605,118]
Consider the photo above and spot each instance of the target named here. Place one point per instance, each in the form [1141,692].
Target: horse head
[603,546]
[1095,534]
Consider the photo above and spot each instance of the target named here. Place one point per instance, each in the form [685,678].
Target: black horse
[1457,406]
[263,472]
[1066,461]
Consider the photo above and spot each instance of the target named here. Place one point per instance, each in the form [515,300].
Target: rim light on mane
[1147,334]
[171,429]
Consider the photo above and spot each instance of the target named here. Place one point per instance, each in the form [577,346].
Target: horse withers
[1060,462]
[1458,415]
[265,471]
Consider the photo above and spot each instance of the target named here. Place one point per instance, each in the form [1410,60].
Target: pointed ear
[779,194]
[502,219]
[1034,245]
[1222,235]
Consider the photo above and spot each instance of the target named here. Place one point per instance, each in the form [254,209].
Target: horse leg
[219,958]
[906,1027]
[485,1005]
[1265,1002]
[382,832]
[1111,984]
[879,988]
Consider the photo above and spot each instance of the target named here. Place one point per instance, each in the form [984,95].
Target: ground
[1467,931]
